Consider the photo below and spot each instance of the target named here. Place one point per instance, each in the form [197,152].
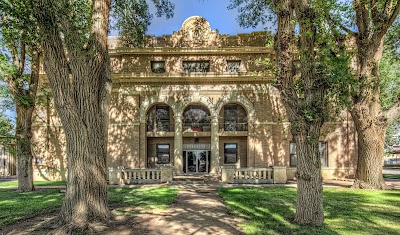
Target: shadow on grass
[271,210]
[16,206]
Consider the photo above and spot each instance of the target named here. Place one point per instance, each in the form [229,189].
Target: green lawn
[271,210]
[14,183]
[15,206]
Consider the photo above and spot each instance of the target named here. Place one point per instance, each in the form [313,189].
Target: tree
[307,81]
[74,41]
[389,72]
[372,20]
[18,32]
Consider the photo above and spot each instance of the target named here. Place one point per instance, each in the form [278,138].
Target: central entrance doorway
[197,161]
[196,158]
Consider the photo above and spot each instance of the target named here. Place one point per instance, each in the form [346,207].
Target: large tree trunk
[23,131]
[80,83]
[86,196]
[309,181]
[371,128]
[23,148]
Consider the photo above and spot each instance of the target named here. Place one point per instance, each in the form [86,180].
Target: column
[142,145]
[178,144]
[214,146]
[250,143]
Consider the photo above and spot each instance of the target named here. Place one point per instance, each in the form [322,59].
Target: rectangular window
[230,153]
[163,156]
[196,66]
[323,153]
[158,66]
[293,155]
[233,66]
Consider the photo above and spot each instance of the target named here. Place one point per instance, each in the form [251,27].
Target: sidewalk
[198,210]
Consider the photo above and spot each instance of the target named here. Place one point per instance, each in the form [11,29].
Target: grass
[272,210]
[15,206]
[14,183]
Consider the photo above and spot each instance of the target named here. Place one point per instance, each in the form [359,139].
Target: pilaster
[178,145]
[142,145]
[214,145]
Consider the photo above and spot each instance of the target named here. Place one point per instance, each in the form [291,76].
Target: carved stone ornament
[196,28]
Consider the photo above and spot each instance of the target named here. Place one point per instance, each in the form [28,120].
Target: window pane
[230,153]
[293,155]
[162,117]
[158,66]
[292,148]
[163,156]
[323,153]
[293,160]
[233,66]
[230,146]
[196,66]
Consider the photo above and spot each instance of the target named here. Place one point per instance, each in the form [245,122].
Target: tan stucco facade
[152,108]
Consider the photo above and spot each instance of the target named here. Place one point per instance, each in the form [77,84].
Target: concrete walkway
[198,210]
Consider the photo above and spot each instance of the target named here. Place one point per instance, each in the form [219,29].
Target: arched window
[196,118]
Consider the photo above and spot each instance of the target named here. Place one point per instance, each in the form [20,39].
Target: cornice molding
[190,51]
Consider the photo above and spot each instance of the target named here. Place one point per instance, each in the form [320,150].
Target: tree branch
[333,23]
[386,25]
[393,113]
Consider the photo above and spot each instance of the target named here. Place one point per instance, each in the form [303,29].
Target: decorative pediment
[196,28]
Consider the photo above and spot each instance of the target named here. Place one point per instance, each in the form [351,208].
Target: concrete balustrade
[269,175]
[122,176]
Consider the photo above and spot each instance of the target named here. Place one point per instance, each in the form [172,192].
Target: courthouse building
[198,101]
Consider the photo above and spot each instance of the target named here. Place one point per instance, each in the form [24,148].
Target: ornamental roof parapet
[196,32]
[189,51]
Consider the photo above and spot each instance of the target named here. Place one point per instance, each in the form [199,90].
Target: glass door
[191,162]
[197,161]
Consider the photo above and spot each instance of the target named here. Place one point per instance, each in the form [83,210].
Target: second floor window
[233,66]
[196,66]
[230,117]
[158,66]
[162,118]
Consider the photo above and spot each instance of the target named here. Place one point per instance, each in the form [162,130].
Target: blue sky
[215,11]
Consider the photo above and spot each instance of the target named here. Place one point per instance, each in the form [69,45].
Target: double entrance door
[197,161]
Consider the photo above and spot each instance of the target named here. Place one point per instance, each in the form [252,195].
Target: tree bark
[79,76]
[305,133]
[309,208]
[23,148]
[371,139]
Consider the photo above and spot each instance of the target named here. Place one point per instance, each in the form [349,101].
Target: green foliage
[271,210]
[253,12]
[17,23]
[6,126]
[389,72]
[132,18]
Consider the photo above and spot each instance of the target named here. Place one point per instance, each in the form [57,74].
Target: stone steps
[195,179]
